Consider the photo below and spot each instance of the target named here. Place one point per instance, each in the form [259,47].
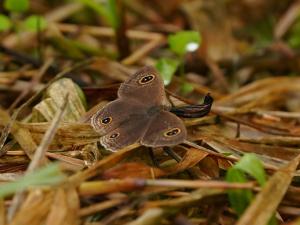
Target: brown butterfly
[141,114]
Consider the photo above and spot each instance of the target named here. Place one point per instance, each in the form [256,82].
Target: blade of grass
[48,175]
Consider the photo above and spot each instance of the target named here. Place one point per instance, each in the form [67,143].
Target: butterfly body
[139,114]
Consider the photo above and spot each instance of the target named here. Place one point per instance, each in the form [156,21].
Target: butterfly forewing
[145,86]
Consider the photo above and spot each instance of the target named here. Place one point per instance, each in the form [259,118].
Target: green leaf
[166,68]
[16,5]
[186,88]
[239,199]
[184,41]
[113,13]
[48,175]
[294,34]
[35,23]
[107,12]
[5,23]
[99,8]
[251,164]
[262,32]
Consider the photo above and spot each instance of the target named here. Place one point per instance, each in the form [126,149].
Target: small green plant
[111,12]
[107,10]
[183,42]
[32,23]
[180,43]
[167,67]
[16,5]
[248,165]
[5,23]
[35,23]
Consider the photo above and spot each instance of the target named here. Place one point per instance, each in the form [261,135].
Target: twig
[56,15]
[192,144]
[33,82]
[198,184]
[99,207]
[155,39]
[128,184]
[217,73]
[287,20]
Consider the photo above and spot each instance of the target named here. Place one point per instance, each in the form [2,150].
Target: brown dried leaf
[101,165]
[21,134]
[2,213]
[133,170]
[55,95]
[65,208]
[68,134]
[34,209]
[140,170]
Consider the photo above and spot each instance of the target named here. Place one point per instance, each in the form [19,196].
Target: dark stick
[122,40]
[20,57]
[238,130]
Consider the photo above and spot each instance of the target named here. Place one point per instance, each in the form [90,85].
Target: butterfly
[141,113]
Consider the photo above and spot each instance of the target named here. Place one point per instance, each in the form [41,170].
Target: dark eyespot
[106,120]
[114,135]
[146,79]
[172,132]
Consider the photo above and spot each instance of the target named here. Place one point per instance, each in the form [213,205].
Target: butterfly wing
[165,129]
[126,134]
[145,86]
[114,114]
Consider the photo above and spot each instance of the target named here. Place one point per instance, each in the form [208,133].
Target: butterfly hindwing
[165,129]
[126,134]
